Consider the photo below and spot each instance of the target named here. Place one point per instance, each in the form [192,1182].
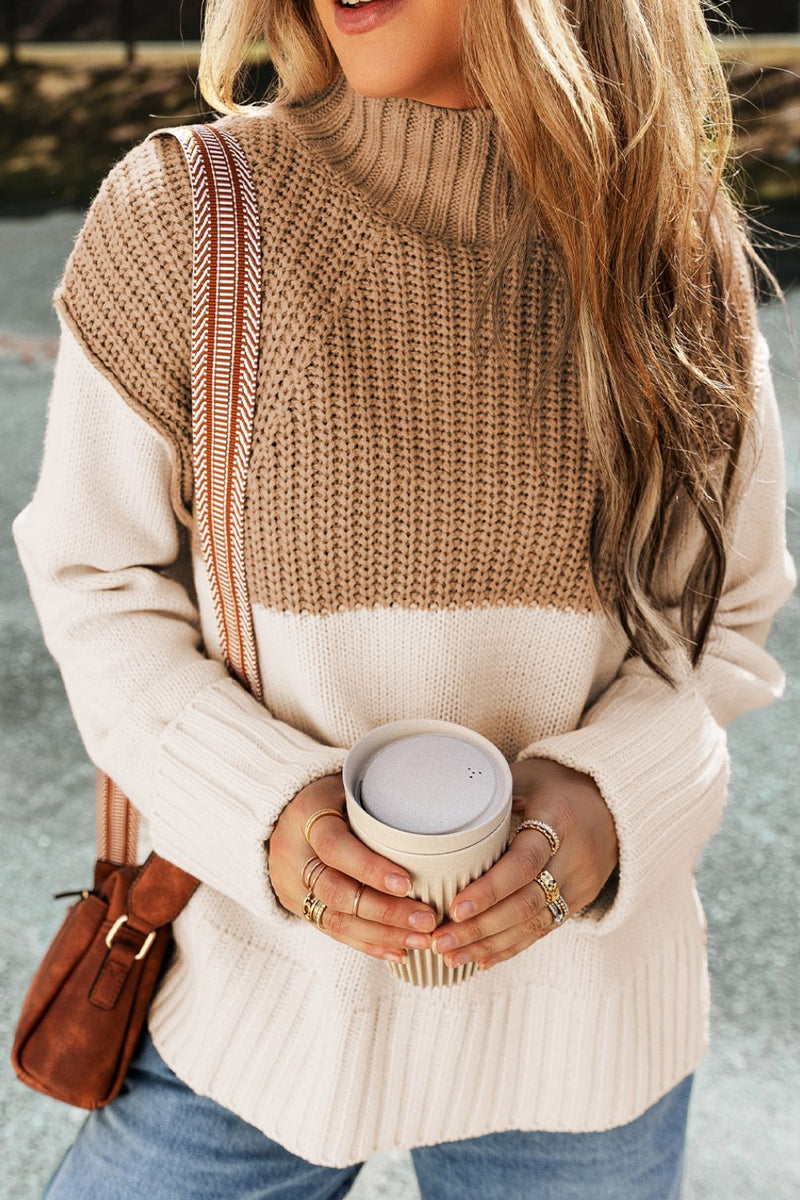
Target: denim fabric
[158,1140]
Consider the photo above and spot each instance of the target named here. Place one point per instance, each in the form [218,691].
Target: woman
[565,531]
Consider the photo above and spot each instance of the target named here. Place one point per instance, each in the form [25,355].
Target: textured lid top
[430,783]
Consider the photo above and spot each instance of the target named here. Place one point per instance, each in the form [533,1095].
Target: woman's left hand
[505,910]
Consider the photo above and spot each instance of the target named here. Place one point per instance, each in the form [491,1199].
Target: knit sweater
[408,555]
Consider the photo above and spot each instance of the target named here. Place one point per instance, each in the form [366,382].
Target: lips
[361,18]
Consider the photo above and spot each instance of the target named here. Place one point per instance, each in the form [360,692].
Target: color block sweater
[408,555]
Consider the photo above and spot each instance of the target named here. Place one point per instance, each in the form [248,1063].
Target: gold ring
[314,858]
[315,874]
[357,897]
[322,812]
[313,908]
[549,886]
[559,910]
[547,830]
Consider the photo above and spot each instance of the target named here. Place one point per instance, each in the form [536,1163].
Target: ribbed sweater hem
[626,1045]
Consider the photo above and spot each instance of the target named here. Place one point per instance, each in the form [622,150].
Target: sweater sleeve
[126,294]
[659,754]
[204,762]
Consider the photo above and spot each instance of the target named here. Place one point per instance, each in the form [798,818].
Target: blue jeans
[158,1140]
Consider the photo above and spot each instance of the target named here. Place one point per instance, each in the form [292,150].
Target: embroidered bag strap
[226,314]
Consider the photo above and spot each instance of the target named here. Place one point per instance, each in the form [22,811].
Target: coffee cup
[435,798]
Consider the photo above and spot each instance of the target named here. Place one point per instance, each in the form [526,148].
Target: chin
[369,79]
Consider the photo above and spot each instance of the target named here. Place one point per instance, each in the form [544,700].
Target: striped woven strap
[226,314]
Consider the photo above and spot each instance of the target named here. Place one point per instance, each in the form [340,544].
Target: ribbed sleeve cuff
[224,772]
[661,763]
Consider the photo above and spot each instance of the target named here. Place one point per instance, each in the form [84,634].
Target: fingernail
[463,956]
[446,942]
[400,884]
[422,920]
[466,908]
[393,956]
[418,941]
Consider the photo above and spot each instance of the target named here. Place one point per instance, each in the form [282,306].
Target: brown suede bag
[87,1003]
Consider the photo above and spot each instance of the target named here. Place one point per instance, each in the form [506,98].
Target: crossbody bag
[87,1002]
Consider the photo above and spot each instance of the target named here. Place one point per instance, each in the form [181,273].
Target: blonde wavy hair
[617,120]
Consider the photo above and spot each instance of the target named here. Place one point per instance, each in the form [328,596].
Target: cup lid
[429,783]
[426,797]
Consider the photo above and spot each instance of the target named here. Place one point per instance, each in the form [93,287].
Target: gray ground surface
[745,1117]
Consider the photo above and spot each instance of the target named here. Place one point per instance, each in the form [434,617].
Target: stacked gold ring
[544,828]
[308,863]
[559,910]
[312,870]
[314,909]
[547,883]
[315,873]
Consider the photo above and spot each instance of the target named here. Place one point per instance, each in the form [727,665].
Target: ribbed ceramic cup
[435,798]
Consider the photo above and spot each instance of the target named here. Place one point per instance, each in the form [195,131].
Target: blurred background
[81,81]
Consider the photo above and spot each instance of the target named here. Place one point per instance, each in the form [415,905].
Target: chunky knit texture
[408,555]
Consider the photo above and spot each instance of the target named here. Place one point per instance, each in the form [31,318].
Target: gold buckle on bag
[148,941]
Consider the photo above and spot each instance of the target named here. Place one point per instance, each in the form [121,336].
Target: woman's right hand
[387,921]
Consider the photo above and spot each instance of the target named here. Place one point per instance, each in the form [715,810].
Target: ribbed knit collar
[441,171]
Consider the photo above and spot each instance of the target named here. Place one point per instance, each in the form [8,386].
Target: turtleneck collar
[440,171]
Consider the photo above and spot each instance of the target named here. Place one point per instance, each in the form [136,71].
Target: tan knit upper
[392,464]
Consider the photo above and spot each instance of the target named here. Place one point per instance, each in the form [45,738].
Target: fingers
[378,940]
[380,917]
[331,839]
[338,891]
[374,951]
[517,922]
[520,920]
[526,856]
[346,928]
[494,959]
[386,924]
[506,909]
